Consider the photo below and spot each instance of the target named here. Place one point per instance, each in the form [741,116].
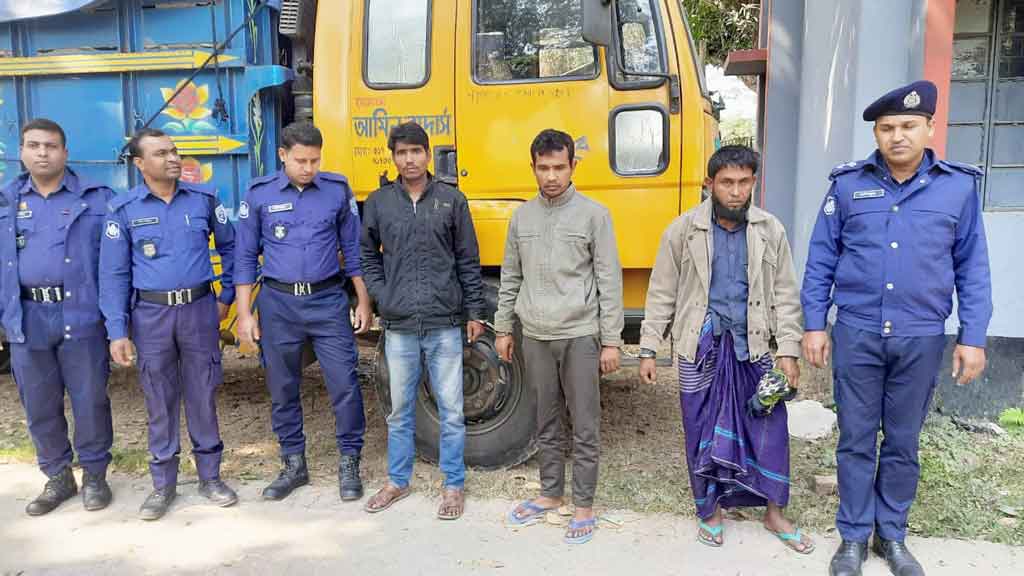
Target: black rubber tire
[5,360]
[504,435]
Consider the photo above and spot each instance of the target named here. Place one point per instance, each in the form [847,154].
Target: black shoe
[59,488]
[157,503]
[218,492]
[848,559]
[293,475]
[96,493]
[901,562]
[349,484]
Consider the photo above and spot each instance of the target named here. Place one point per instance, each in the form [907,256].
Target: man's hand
[505,347]
[363,317]
[816,348]
[609,359]
[474,330]
[791,368]
[648,371]
[968,363]
[122,351]
[222,310]
[248,328]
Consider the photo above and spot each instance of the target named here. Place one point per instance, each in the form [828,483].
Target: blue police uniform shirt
[895,251]
[727,295]
[73,245]
[299,233]
[152,245]
[41,225]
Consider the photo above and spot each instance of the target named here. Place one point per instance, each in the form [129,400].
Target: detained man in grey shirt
[561,277]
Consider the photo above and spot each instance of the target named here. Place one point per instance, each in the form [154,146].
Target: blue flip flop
[535,514]
[714,531]
[795,537]
[584,538]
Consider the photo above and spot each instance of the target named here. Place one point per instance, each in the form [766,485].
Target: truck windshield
[529,40]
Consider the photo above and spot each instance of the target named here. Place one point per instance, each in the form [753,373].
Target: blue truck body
[103,69]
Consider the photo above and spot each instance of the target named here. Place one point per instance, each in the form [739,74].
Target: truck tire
[499,406]
[5,360]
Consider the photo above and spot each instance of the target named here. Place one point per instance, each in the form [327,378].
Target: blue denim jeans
[441,351]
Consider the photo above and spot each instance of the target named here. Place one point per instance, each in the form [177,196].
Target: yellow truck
[483,77]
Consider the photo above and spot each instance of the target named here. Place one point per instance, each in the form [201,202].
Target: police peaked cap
[917,99]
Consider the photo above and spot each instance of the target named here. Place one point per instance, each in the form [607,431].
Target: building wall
[827,60]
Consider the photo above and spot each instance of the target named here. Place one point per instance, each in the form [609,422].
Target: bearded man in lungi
[724,283]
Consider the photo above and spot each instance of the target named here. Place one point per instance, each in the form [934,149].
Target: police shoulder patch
[844,168]
[243,210]
[962,167]
[333,177]
[353,206]
[830,206]
[221,213]
[113,230]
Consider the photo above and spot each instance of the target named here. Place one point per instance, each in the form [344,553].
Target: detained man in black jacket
[421,265]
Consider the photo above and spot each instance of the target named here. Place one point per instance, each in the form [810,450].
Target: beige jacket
[677,296]
[561,275]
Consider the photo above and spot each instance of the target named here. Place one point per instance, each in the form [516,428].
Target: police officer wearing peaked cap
[50,226]
[155,276]
[300,219]
[896,234]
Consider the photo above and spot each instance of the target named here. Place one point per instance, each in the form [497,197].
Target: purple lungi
[734,459]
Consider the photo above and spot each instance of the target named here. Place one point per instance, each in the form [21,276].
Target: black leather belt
[303,288]
[175,297]
[43,293]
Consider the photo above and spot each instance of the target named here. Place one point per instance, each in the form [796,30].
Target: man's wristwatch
[647,353]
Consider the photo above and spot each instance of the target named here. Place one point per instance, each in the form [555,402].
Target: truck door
[404,51]
[523,66]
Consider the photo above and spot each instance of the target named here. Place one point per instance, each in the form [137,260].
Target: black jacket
[421,263]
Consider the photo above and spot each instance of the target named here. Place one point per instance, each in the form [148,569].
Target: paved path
[314,533]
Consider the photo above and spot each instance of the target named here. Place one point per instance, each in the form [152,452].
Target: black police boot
[59,488]
[96,493]
[349,484]
[218,492]
[901,562]
[157,503]
[293,475]
[848,559]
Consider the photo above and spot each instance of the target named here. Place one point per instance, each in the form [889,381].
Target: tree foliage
[721,26]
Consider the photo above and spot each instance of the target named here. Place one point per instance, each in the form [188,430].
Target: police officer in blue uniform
[155,281]
[896,234]
[50,227]
[300,219]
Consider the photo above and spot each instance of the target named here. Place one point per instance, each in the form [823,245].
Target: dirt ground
[642,467]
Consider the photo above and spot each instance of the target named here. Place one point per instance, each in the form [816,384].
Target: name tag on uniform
[279,208]
[145,221]
[862,194]
[23,214]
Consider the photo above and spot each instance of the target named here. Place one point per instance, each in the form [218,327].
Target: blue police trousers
[286,322]
[179,357]
[887,384]
[45,366]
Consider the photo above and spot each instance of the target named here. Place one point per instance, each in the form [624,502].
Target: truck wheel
[499,407]
[5,360]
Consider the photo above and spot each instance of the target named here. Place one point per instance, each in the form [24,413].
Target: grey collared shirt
[727,298]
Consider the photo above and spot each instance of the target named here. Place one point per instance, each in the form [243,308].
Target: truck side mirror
[597,22]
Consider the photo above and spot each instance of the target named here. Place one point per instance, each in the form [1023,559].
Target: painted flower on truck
[188,109]
[194,171]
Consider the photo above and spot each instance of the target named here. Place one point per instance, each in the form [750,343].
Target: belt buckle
[302,289]
[179,297]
